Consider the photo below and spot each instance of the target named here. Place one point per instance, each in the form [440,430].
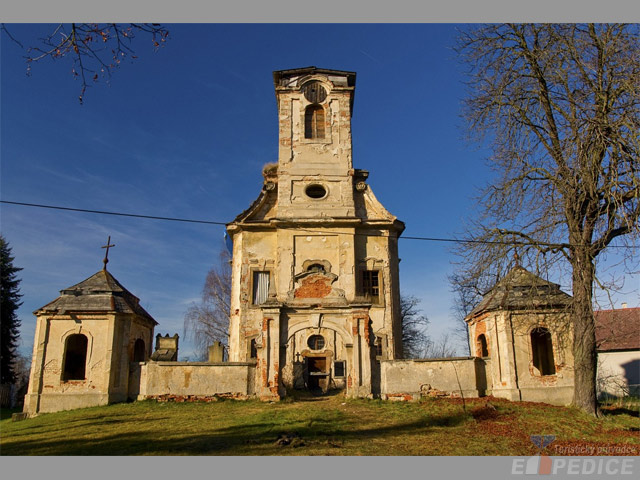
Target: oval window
[316,342]
[316,191]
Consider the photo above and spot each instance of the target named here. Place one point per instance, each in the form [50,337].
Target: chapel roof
[617,329]
[521,290]
[101,292]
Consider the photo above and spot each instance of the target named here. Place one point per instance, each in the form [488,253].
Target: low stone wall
[191,380]
[439,377]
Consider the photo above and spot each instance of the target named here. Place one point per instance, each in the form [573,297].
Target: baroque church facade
[315,300]
[315,295]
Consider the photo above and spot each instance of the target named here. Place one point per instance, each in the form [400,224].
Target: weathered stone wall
[412,379]
[110,341]
[47,390]
[182,379]
[512,372]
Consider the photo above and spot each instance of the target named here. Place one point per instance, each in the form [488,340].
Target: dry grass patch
[311,426]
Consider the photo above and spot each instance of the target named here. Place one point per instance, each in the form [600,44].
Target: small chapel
[84,343]
[315,298]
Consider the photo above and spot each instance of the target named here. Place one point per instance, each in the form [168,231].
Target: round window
[314,92]
[316,342]
[316,191]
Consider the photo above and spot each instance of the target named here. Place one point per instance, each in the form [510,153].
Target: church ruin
[315,300]
[315,296]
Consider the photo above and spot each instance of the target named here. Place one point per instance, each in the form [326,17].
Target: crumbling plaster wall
[196,379]
[110,340]
[284,252]
[299,330]
[47,391]
[413,379]
[512,372]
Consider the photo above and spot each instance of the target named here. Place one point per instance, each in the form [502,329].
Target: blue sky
[185,131]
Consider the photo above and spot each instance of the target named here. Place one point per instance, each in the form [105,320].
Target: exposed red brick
[404,397]
[367,331]
[314,286]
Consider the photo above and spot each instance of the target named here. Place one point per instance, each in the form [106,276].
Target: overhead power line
[210,222]
[120,214]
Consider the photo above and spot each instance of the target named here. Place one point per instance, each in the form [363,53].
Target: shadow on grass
[66,426]
[258,438]
[613,410]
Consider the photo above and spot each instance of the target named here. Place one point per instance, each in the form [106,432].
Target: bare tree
[22,369]
[561,106]
[208,320]
[415,339]
[442,348]
[96,49]
[464,300]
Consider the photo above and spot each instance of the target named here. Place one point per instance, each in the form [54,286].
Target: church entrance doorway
[318,374]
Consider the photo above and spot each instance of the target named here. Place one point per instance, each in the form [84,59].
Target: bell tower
[315,166]
[315,300]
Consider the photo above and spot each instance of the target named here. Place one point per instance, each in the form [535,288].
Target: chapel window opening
[316,342]
[314,122]
[482,349]
[75,357]
[542,348]
[139,351]
[261,281]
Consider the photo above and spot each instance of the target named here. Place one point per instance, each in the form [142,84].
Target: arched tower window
[75,357]
[481,346]
[139,351]
[542,348]
[314,122]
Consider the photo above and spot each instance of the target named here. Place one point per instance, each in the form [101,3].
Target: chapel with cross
[84,343]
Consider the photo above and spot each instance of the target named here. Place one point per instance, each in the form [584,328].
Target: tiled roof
[100,292]
[618,329]
[521,289]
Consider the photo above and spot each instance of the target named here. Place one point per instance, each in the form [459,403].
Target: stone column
[268,365]
[504,367]
[359,379]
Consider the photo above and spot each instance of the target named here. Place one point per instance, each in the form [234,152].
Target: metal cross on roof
[106,254]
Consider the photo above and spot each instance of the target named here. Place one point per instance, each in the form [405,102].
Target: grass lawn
[320,426]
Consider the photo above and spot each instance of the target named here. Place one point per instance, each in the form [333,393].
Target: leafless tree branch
[560,104]
[95,49]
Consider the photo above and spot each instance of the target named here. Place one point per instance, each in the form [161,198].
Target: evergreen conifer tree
[9,303]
